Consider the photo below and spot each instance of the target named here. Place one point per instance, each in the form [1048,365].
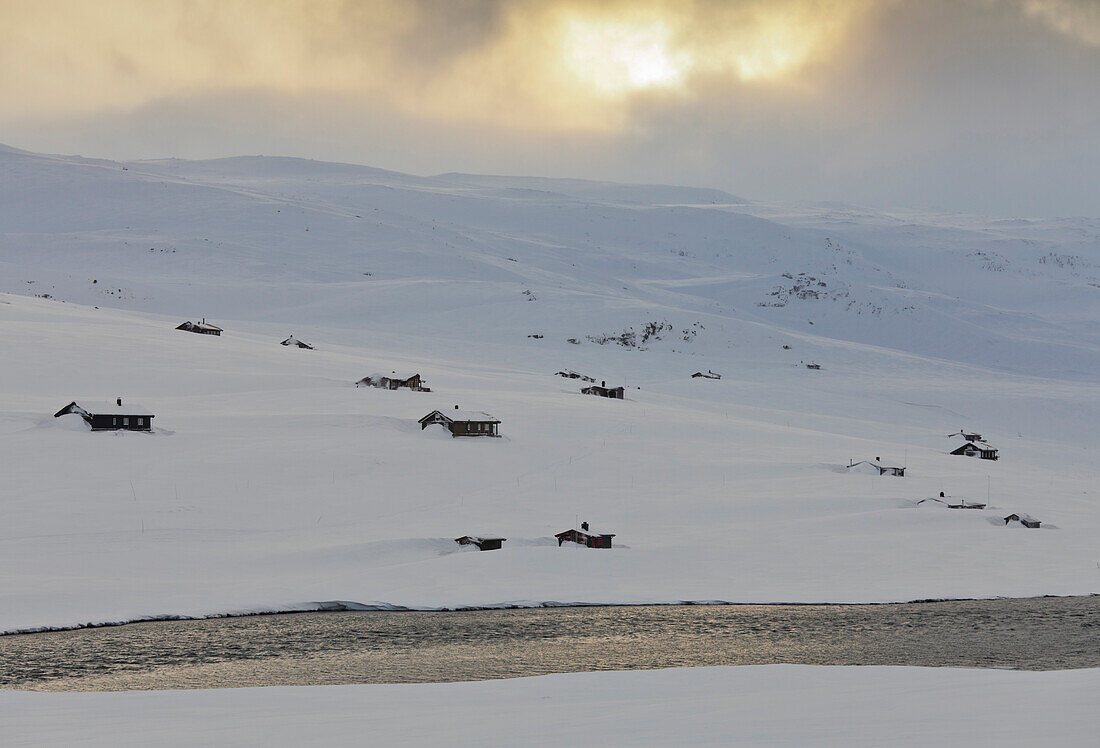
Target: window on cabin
[114,421]
[141,422]
[125,421]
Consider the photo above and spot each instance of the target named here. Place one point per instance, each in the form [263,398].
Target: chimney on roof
[603,383]
[118,400]
[584,526]
[878,459]
[456,407]
[941,495]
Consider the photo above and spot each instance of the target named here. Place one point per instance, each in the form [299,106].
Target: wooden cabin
[111,415]
[602,390]
[708,375]
[394,380]
[974,448]
[203,327]
[970,436]
[952,502]
[585,537]
[1024,519]
[483,544]
[878,466]
[299,343]
[813,366]
[463,422]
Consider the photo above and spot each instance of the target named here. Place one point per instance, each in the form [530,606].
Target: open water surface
[415,647]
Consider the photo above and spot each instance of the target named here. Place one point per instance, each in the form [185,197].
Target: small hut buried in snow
[953,502]
[1024,519]
[299,343]
[482,543]
[602,390]
[875,467]
[395,380]
[971,436]
[462,422]
[707,375]
[111,415]
[203,327]
[586,537]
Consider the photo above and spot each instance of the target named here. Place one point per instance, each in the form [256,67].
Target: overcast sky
[974,105]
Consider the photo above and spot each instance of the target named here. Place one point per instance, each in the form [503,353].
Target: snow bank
[766,705]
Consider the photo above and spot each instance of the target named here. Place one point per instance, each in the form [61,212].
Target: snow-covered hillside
[770,705]
[271,481]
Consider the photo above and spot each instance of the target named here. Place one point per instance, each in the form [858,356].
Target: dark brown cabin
[708,375]
[1024,519]
[203,327]
[394,381]
[111,416]
[602,390]
[970,436]
[585,537]
[462,422]
[975,448]
[882,468]
[483,544]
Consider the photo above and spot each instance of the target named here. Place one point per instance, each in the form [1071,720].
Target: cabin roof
[589,531]
[108,407]
[954,501]
[958,442]
[463,415]
[401,376]
[877,464]
[200,325]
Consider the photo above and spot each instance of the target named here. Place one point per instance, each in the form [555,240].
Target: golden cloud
[527,64]
[1074,18]
[539,63]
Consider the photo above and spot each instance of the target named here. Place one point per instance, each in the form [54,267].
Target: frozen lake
[411,647]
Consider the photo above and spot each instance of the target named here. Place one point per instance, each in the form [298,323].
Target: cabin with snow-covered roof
[202,328]
[111,415]
[482,543]
[395,380]
[586,537]
[462,422]
[297,343]
[1024,519]
[970,436]
[973,448]
[602,390]
[952,502]
[876,467]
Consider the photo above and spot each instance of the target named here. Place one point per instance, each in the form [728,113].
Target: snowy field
[782,705]
[271,482]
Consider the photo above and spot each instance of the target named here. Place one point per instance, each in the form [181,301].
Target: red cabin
[586,537]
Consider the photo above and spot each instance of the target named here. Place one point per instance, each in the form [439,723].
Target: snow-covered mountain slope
[270,480]
[305,242]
